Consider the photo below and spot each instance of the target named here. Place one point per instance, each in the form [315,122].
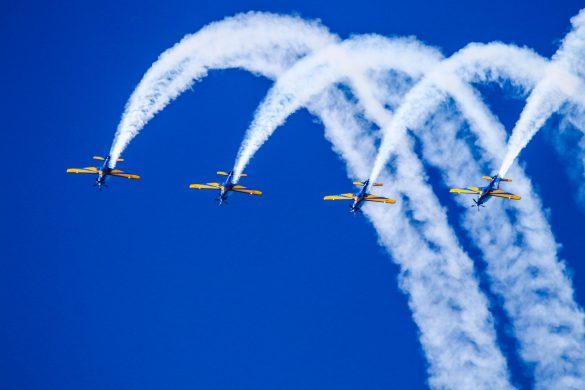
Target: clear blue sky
[147,285]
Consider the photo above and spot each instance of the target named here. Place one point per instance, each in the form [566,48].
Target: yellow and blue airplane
[226,187]
[492,189]
[103,172]
[361,197]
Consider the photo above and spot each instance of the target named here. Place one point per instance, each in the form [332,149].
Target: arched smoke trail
[172,74]
[560,84]
[255,41]
[519,249]
[345,61]
[436,245]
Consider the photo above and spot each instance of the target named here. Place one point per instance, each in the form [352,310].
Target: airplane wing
[339,197]
[84,170]
[466,190]
[378,199]
[208,186]
[126,175]
[503,194]
[247,191]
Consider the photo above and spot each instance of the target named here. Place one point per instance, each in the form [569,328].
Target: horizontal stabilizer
[99,158]
[487,178]
[222,173]
[361,184]
[504,179]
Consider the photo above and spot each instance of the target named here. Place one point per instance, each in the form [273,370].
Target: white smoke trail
[519,249]
[432,243]
[561,83]
[456,328]
[482,61]
[334,64]
[259,42]
[457,359]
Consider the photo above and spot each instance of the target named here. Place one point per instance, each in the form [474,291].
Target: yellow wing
[339,197]
[502,194]
[246,191]
[208,186]
[379,199]
[465,190]
[126,175]
[83,170]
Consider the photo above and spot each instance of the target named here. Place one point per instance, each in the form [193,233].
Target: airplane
[225,187]
[103,172]
[492,189]
[361,197]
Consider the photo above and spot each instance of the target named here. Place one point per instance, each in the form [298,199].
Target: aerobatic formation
[411,93]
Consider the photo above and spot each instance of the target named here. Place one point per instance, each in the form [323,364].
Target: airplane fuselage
[104,172]
[484,196]
[228,186]
[360,196]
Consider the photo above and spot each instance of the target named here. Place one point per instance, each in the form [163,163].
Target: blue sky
[149,285]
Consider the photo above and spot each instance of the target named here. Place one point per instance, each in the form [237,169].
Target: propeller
[477,204]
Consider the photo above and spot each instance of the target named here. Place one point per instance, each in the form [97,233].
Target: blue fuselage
[105,171]
[227,186]
[358,202]
[484,197]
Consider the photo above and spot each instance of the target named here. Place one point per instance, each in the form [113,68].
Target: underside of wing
[378,199]
[126,175]
[83,170]
[208,186]
[506,195]
[246,191]
[338,197]
[464,191]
